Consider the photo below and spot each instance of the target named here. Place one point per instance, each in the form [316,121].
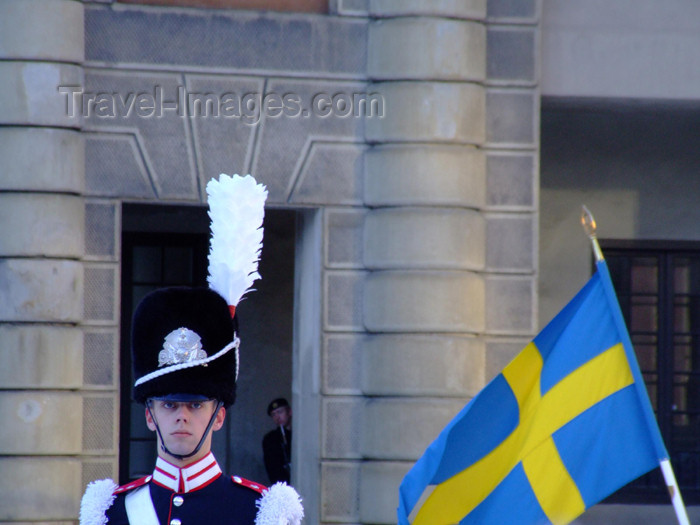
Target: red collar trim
[192,477]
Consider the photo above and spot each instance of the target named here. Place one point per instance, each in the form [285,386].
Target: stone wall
[42,271]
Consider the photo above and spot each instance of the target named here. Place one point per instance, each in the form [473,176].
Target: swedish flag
[565,424]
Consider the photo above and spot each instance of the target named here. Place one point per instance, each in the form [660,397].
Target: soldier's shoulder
[133,485]
[252,485]
[97,499]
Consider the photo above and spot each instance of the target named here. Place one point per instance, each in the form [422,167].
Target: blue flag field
[567,423]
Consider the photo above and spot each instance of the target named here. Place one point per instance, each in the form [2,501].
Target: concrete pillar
[424,237]
[512,177]
[42,216]
[448,239]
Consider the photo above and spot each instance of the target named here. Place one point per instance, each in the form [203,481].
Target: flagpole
[674,492]
[589,226]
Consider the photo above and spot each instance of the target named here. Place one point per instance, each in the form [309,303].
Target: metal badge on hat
[181,346]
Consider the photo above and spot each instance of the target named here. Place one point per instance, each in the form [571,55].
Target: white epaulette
[280,505]
[98,497]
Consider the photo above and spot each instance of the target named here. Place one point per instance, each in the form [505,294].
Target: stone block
[511,118]
[35,356]
[422,365]
[512,54]
[379,490]
[385,429]
[315,141]
[424,301]
[511,242]
[41,290]
[99,468]
[349,7]
[444,175]
[512,10]
[344,238]
[331,174]
[603,54]
[342,364]
[429,112]
[255,41]
[511,180]
[510,305]
[49,225]
[39,488]
[101,293]
[30,94]
[426,48]
[340,495]
[114,167]
[100,357]
[40,423]
[469,9]
[236,128]
[42,159]
[100,423]
[50,30]
[343,300]
[424,238]
[101,230]
[342,427]
[149,112]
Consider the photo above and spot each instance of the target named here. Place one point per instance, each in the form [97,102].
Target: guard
[185,360]
[277,443]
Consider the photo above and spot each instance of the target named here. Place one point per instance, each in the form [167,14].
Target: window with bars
[658,286]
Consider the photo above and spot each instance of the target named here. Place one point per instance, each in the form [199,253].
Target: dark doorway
[165,245]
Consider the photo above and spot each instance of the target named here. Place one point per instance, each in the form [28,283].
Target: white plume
[280,505]
[98,497]
[236,210]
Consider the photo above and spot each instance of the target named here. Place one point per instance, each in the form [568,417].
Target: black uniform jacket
[196,495]
[277,453]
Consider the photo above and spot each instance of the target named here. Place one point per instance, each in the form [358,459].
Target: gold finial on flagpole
[589,226]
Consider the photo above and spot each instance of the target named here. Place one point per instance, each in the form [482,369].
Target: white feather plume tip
[280,505]
[236,210]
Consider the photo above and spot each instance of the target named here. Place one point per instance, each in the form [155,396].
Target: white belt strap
[139,507]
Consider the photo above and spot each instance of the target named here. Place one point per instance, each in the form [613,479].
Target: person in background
[277,444]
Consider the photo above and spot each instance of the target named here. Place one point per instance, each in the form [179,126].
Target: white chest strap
[139,507]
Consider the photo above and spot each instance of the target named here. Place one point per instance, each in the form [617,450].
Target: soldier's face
[281,416]
[183,424]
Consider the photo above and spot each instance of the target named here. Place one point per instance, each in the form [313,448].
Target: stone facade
[42,270]
[410,148]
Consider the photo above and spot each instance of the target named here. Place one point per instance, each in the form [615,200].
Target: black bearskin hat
[183,343]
